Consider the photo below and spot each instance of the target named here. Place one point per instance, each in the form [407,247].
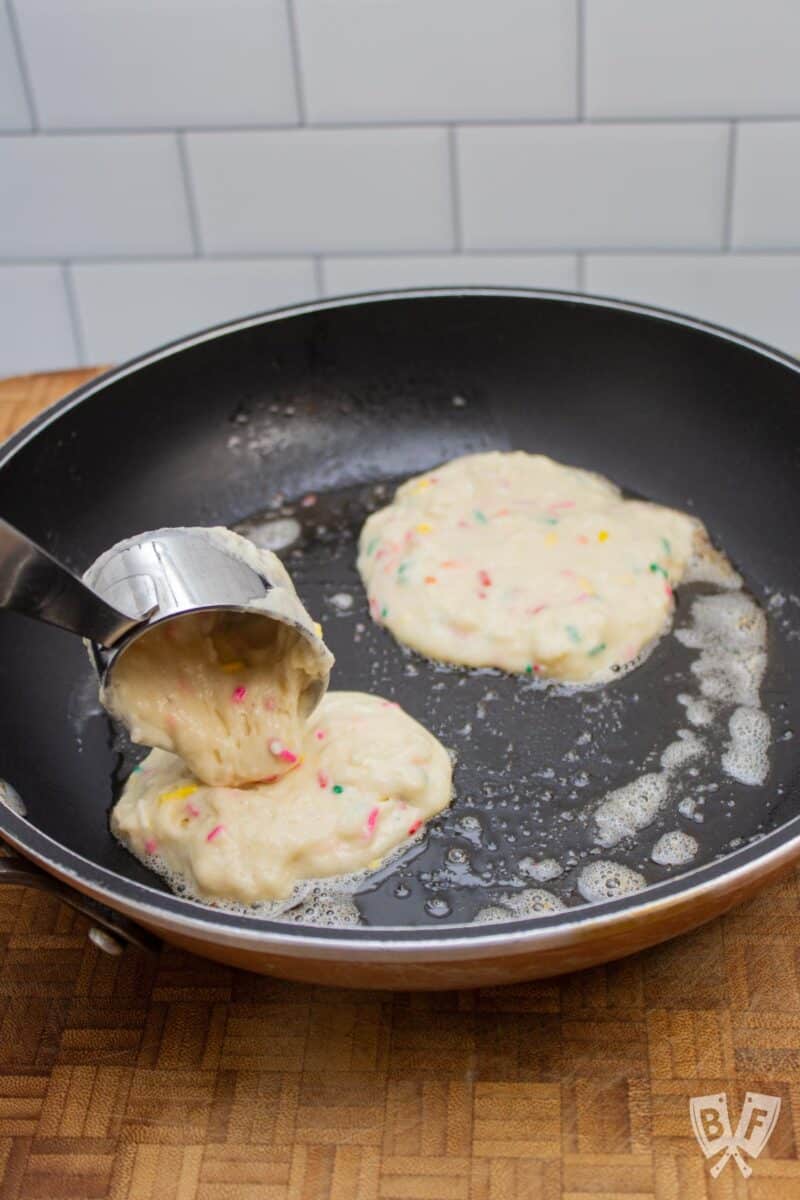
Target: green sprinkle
[598,649]
[371,544]
[572,633]
[550,520]
[656,568]
[665,542]
[384,611]
[401,571]
[479,516]
[135,769]
[337,788]
[529,669]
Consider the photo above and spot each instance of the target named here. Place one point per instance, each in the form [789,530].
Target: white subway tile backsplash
[35,328]
[322,190]
[402,60]
[766,209]
[593,186]
[704,58]
[90,196]
[342,275]
[156,63]
[14,114]
[755,294]
[128,308]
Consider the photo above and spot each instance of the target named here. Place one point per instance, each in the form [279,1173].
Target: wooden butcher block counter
[172,1078]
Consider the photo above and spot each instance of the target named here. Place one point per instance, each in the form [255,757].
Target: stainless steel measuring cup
[148,579]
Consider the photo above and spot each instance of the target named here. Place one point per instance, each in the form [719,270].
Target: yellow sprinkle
[178,793]
[551,539]
[230,667]
[422,485]
[602,535]
[374,862]
[586,585]
[424,527]
[318,629]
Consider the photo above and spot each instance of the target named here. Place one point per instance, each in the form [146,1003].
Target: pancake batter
[367,778]
[515,561]
[227,691]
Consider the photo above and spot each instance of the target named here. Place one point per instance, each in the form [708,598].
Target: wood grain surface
[172,1078]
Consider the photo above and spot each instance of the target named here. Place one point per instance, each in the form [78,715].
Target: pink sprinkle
[269,703]
[567,573]
[372,821]
[269,779]
[323,780]
[481,595]
[287,756]
[215,832]
[668,589]
[389,704]
[150,846]
[382,553]
[463,524]
[582,538]
[193,810]
[533,612]
[373,607]
[485,578]
[415,826]
[239,694]
[560,504]
[308,501]
[170,722]
[583,596]
[320,735]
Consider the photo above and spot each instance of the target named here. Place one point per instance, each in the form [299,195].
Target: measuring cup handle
[33,583]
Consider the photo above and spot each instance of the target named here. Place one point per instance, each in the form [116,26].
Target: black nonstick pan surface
[293,427]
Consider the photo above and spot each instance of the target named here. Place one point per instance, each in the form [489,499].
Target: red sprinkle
[415,826]
[560,504]
[238,694]
[193,810]
[372,821]
[485,578]
[287,756]
[323,780]
[215,832]
[668,589]
[150,846]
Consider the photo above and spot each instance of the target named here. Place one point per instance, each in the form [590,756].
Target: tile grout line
[297,64]
[477,252]
[22,63]
[189,193]
[730,187]
[288,127]
[580,67]
[319,275]
[455,189]
[74,312]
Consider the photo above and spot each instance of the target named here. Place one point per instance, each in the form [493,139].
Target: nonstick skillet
[292,426]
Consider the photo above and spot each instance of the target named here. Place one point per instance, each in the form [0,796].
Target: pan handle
[109,931]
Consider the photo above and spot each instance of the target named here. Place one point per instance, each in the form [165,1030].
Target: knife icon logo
[712,1128]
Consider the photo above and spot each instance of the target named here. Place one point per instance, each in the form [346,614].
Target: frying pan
[333,403]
